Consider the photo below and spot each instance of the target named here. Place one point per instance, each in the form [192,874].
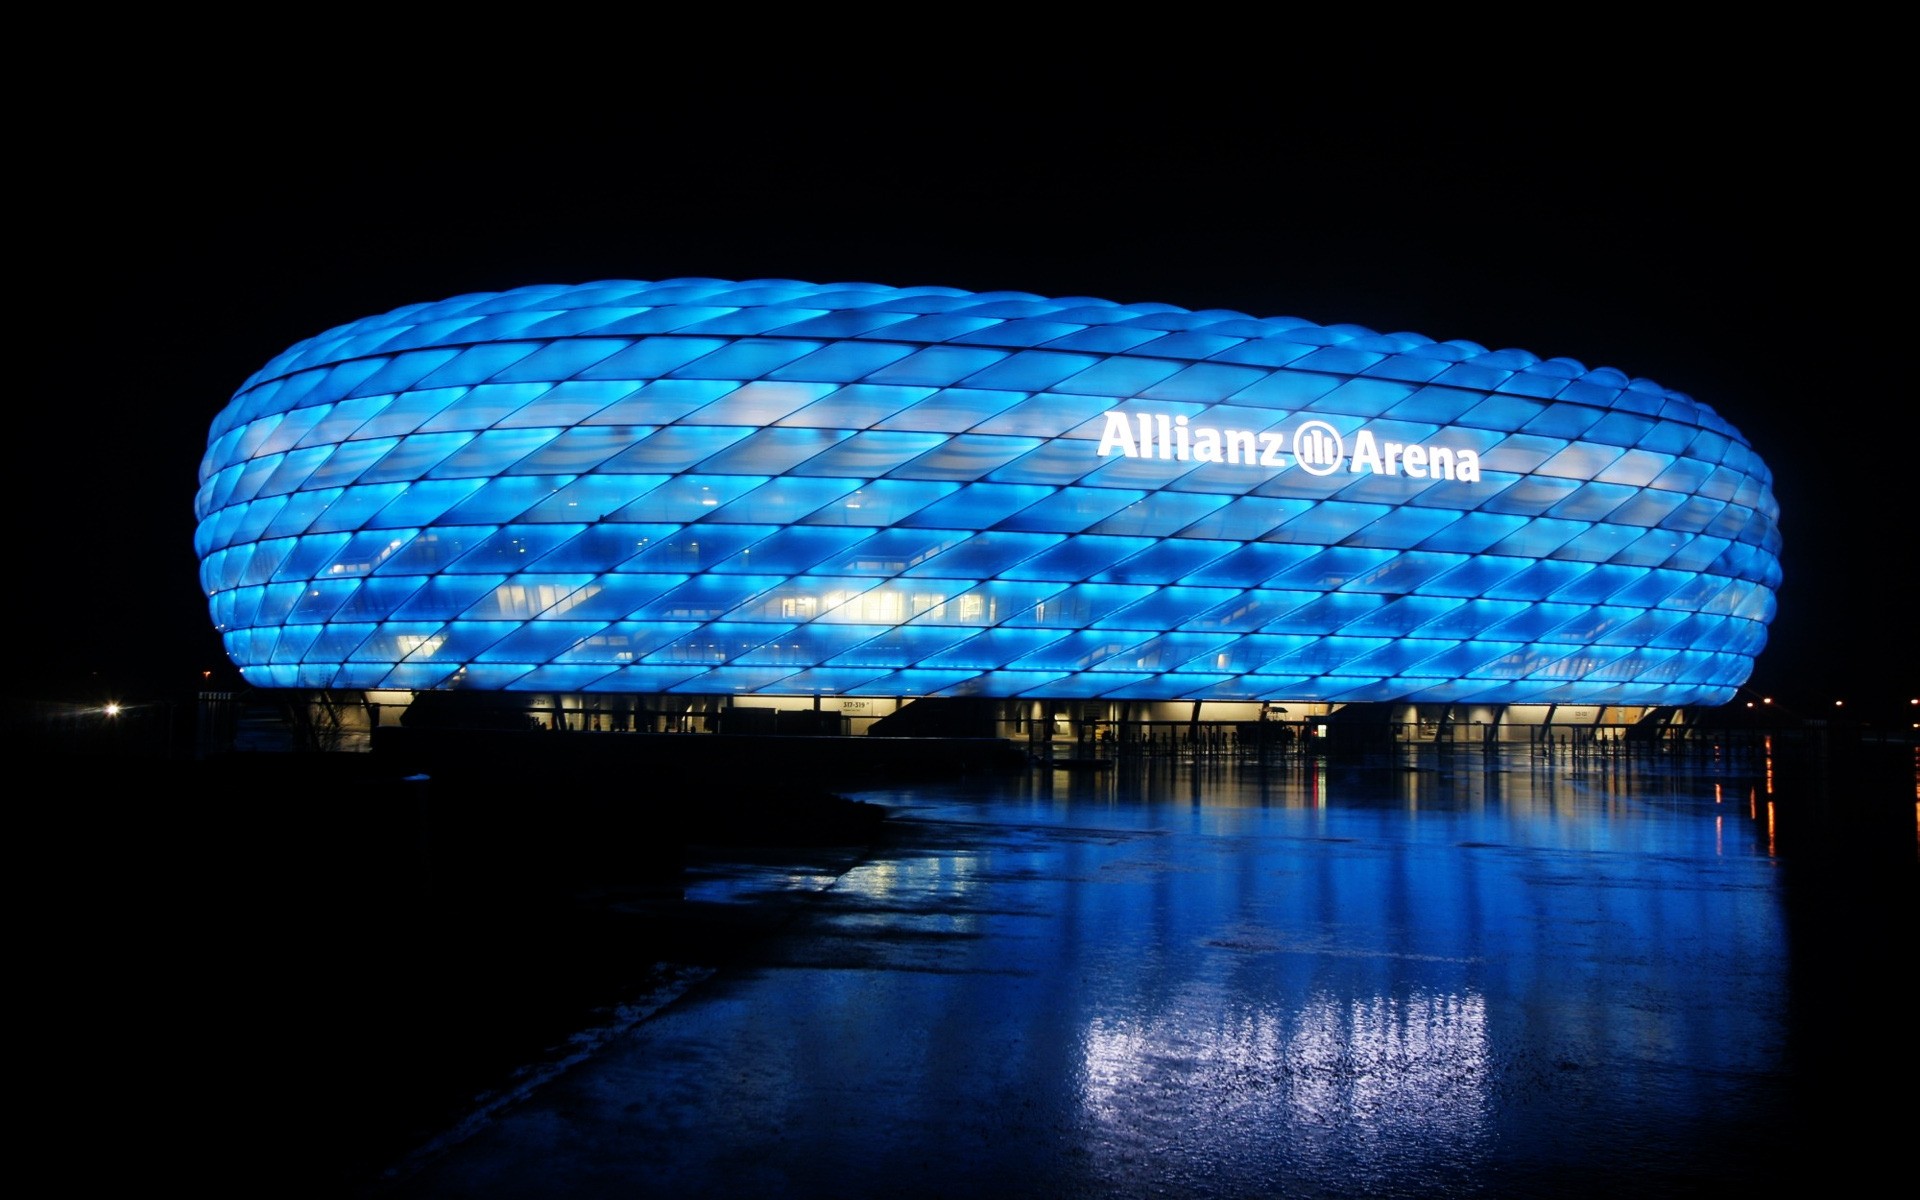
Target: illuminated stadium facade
[696,491]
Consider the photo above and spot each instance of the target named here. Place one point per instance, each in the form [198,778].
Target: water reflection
[1369,970]
[1430,976]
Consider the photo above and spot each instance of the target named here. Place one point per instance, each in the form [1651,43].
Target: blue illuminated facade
[698,486]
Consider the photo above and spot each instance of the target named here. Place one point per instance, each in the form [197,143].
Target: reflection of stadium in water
[1223,979]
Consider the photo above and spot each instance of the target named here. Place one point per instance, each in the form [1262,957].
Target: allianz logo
[1315,445]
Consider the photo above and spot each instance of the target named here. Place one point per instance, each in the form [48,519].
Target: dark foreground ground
[305,966]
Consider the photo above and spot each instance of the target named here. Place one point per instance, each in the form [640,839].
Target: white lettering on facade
[1316,444]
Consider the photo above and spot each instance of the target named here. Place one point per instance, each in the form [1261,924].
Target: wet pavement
[1529,975]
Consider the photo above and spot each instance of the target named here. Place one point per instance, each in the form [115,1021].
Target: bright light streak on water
[1205,981]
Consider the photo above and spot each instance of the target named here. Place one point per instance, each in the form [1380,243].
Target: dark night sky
[1733,247]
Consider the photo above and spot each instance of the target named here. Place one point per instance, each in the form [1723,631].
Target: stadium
[702,504]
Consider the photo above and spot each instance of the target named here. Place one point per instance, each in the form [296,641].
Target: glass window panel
[592,498]
[1051,463]
[1648,508]
[857,406]
[604,546]
[557,678]
[1329,569]
[1324,655]
[435,549]
[319,599]
[784,501]
[1207,383]
[773,452]
[492,452]
[976,506]
[676,448]
[869,454]
[1165,561]
[1049,414]
[1533,622]
[844,323]
[524,597]
[539,641]
[951,410]
[1599,543]
[493,676]
[809,644]
[1105,339]
[343,419]
[1696,514]
[310,555]
[1082,650]
[444,597]
[899,646]
[935,366]
[1539,538]
[758,403]
[1540,581]
[292,644]
[707,597]
[1402,527]
[1396,657]
[1077,558]
[662,401]
[282,432]
[505,498]
[982,556]
[264,562]
[611,597]
[509,549]
[1068,510]
[626,642]
[1407,615]
[1467,659]
[1031,370]
[686,498]
[582,449]
[649,358]
[1165,608]
[987,603]
[414,456]
[483,407]
[1249,565]
[1245,518]
[400,641]
[1118,378]
[1563,420]
[476,364]
[792,549]
[747,358]
[562,360]
[842,361]
[1581,460]
[1531,495]
[694,549]
[365,552]
[882,502]
[1082,605]
[992,648]
[346,463]
[966,457]
[1329,522]
[1472,576]
[1593,501]
[1437,405]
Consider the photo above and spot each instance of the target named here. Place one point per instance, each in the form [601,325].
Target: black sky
[1747,249]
